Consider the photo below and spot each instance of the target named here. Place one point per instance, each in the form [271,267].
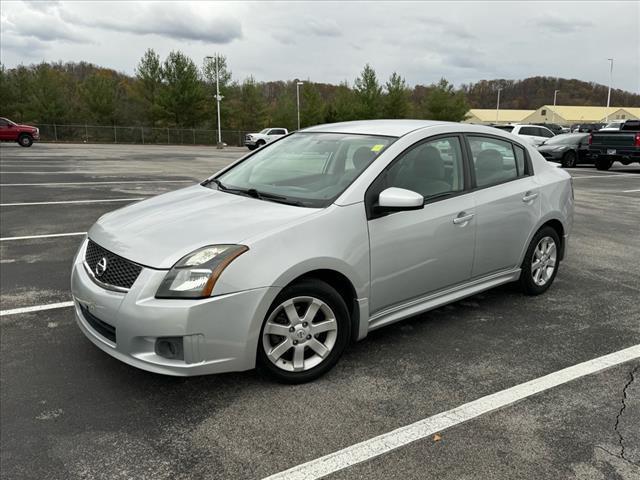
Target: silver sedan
[297,249]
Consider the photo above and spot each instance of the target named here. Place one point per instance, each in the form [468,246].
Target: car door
[507,203]
[420,251]
[5,130]
[531,134]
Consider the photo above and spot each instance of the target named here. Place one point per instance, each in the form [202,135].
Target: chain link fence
[137,135]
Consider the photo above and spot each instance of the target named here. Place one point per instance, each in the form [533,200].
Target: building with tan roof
[491,115]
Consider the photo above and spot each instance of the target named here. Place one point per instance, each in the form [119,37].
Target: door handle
[462,218]
[529,196]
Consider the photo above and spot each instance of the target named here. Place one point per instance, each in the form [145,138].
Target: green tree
[396,101]
[442,102]
[311,106]
[48,94]
[368,94]
[249,109]
[224,81]
[183,96]
[148,85]
[343,107]
[283,111]
[100,93]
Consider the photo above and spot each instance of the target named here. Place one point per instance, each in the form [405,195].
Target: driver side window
[429,168]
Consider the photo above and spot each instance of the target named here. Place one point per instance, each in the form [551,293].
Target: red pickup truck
[12,132]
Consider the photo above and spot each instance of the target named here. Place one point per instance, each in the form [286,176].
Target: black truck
[616,145]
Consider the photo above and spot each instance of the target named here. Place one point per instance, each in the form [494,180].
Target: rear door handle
[529,196]
[462,218]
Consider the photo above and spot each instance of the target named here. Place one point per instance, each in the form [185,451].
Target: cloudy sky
[331,41]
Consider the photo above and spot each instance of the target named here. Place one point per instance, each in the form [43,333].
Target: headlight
[559,148]
[195,275]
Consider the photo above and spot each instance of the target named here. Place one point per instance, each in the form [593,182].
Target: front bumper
[219,334]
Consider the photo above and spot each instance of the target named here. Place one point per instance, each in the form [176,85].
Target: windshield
[566,139]
[309,169]
[506,128]
[614,125]
[264,130]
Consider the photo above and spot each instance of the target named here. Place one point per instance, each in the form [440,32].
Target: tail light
[590,138]
[637,140]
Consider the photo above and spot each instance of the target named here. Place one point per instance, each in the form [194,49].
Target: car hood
[26,127]
[160,231]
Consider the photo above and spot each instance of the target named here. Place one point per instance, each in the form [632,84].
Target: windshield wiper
[253,193]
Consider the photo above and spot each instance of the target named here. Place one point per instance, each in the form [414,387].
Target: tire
[569,160]
[292,341]
[25,140]
[603,163]
[251,147]
[544,247]
[260,143]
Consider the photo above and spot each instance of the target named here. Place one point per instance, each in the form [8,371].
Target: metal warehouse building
[561,114]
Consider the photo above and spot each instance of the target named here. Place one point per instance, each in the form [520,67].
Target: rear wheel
[569,160]
[541,262]
[305,332]
[603,163]
[25,140]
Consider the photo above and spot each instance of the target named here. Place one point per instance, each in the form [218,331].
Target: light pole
[610,81]
[498,104]
[555,95]
[298,83]
[218,99]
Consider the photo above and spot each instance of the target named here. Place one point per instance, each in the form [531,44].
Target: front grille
[103,328]
[120,272]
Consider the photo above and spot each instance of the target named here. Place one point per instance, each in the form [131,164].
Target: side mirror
[398,199]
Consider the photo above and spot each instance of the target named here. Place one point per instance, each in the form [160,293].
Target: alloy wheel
[300,334]
[543,262]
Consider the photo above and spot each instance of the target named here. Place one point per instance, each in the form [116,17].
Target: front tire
[603,163]
[260,143]
[251,147]
[541,262]
[569,160]
[25,140]
[304,333]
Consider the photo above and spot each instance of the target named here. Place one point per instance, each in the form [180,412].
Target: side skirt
[419,305]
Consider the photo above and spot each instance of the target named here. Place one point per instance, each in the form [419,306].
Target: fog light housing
[171,348]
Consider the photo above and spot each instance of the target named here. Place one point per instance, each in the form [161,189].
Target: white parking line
[64,202]
[38,308]
[384,443]
[617,175]
[93,183]
[51,235]
[631,191]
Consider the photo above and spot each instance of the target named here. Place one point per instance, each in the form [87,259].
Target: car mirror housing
[397,199]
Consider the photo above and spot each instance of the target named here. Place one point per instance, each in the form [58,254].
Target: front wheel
[305,332]
[603,163]
[569,160]
[25,140]
[251,147]
[541,262]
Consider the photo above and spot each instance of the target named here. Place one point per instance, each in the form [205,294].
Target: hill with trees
[177,92]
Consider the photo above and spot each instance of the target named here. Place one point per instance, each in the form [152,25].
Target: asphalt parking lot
[69,411]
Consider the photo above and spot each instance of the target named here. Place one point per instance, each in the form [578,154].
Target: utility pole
[218,98]
[498,105]
[555,95]
[610,81]
[298,83]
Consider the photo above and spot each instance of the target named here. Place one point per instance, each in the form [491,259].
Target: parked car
[532,133]
[256,140]
[568,149]
[554,127]
[606,147]
[586,127]
[10,131]
[615,125]
[282,258]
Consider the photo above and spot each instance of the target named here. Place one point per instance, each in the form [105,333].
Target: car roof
[390,128]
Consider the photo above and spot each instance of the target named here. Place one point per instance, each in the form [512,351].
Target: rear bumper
[219,334]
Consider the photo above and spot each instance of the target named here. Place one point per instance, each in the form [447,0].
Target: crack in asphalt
[622,409]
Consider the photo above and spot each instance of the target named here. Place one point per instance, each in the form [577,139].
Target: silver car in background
[284,257]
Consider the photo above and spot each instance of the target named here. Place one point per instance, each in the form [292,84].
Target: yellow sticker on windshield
[377,148]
